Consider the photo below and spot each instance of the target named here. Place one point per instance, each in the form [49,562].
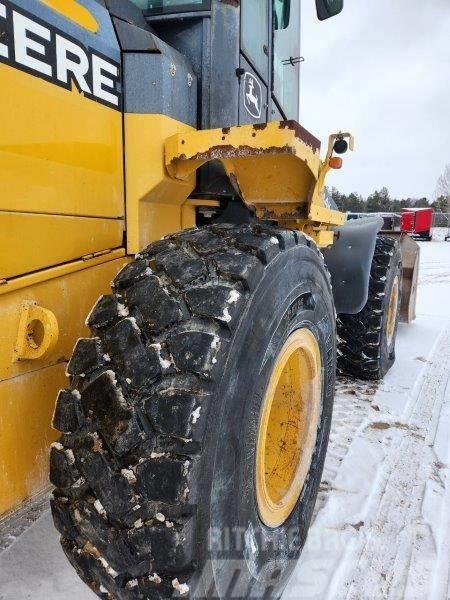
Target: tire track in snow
[332,534]
[384,566]
[352,406]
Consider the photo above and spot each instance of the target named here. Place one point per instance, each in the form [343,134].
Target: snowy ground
[382,527]
[382,524]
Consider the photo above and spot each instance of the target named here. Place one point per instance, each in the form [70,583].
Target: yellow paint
[21,283]
[241,147]
[322,237]
[74,11]
[60,153]
[318,198]
[38,332]
[392,316]
[289,421]
[69,297]
[29,242]
[28,389]
[272,169]
[62,204]
[26,410]
[154,199]
[321,214]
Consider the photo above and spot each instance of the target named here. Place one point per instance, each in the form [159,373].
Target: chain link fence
[441,219]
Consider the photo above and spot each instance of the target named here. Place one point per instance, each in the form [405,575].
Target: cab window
[282,13]
[255,34]
[286,56]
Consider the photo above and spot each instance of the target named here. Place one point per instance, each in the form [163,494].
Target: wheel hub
[288,427]
[392,312]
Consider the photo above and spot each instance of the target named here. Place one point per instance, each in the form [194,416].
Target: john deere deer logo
[252,96]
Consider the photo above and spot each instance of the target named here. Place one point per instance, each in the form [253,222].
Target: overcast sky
[381,69]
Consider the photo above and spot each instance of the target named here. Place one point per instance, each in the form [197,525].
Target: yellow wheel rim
[288,427]
[392,311]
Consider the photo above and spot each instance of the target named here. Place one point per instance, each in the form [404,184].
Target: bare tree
[443,186]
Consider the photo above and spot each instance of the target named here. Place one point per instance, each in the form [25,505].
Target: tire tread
[124,467]
[360,335]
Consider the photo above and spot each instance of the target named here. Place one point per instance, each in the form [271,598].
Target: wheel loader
[167,244]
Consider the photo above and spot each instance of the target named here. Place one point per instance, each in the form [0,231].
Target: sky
[381,69]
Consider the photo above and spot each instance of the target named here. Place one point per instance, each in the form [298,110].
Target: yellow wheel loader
[163,212]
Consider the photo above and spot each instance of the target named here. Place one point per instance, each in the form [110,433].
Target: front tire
[156,469]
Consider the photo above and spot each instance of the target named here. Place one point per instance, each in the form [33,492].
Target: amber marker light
[335,162]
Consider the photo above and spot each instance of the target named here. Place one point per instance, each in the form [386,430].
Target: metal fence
[441,219]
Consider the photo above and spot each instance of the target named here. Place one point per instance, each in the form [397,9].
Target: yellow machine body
[276,169]
[84,187]
[28,383]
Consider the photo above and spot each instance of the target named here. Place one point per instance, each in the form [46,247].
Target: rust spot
[260,126]
[302,134]
[298,212]
[234,3]
[216,153]
[226,130]
[228,151]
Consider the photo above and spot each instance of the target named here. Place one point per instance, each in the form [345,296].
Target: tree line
[381,201]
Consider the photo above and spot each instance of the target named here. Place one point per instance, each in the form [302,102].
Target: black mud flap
[349,261]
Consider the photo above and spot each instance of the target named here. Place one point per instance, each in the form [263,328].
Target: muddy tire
[154,472]
[366,341]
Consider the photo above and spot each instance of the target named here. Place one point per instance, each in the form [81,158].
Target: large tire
[366,341]
[154,472]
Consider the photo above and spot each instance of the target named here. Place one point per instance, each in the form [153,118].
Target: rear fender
[349,261]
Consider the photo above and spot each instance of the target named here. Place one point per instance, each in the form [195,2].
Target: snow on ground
[382,524]
[34,567]
[382,520]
